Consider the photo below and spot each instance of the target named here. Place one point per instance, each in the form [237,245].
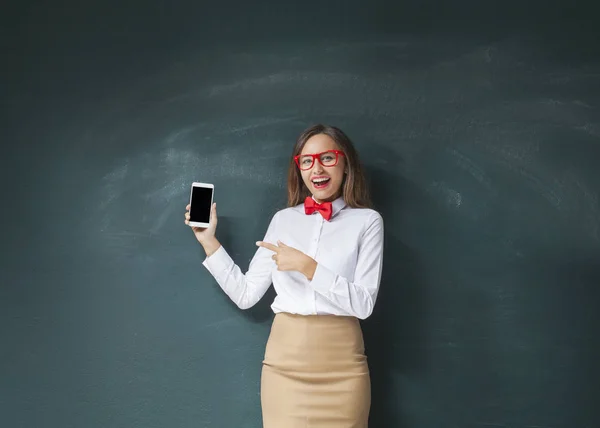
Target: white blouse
[348,250]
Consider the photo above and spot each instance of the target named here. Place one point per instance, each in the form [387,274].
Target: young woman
[323,254]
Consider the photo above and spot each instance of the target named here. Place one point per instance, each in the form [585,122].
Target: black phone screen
[200,205]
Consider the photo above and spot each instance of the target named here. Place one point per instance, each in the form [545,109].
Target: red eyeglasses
[328,159]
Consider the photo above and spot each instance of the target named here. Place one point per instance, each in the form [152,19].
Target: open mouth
[320,183]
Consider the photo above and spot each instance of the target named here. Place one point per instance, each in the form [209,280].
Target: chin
[326,196]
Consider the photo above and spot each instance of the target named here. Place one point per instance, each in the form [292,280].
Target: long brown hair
[355,190]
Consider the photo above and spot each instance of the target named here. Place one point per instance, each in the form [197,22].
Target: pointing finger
[268,246]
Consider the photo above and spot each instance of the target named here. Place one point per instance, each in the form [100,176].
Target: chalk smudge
[256,124]
[331,79]
[176,136]
[219,324]
[113,187]
[452,197]
[539,186]
[592,129]
[471,167]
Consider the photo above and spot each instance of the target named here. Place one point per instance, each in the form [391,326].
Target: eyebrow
[322,151]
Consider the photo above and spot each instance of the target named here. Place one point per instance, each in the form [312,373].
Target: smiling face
[324,182]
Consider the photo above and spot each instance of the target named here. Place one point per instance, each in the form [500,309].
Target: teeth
[320,180]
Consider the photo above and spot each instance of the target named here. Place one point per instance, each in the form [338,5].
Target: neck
[330,199]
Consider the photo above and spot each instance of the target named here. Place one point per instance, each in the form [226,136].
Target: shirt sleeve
[245,290]
[356,297]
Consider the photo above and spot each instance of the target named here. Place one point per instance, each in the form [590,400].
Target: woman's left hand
[288,258]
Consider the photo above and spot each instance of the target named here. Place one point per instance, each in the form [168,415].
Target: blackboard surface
[478,124]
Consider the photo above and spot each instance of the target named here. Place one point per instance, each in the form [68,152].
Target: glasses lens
[305,162]
[329,158]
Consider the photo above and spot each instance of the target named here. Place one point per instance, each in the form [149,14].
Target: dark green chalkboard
[478,124]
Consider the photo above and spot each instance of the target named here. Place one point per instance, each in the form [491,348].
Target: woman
[323,255]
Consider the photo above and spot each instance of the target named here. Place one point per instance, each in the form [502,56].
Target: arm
[245,290]
[356,297]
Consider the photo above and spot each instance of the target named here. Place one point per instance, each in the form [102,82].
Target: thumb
[281,244]
[213,214]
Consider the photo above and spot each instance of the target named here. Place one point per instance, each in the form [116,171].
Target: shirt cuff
[218,262]
[323,279]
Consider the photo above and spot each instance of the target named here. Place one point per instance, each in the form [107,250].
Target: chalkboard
[480,133]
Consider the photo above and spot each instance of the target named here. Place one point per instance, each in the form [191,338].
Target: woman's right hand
[204,235]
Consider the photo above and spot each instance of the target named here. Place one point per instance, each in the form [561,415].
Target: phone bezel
[212,198]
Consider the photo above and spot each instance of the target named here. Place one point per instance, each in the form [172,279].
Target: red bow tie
[310,206]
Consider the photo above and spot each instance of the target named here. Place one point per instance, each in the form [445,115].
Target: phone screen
[200,206]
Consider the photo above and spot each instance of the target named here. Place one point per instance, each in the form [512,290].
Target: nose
[317,167]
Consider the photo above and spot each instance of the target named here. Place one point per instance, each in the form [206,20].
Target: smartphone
[201,200]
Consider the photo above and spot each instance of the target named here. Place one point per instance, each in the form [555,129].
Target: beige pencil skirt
[315,373]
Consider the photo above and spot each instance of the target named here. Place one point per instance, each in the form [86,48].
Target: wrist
[210,245]
[309,268]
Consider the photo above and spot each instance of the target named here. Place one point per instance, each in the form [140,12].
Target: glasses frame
[317,156]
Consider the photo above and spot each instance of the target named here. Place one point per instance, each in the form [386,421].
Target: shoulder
[367,219]
[374,220]
[367,215]
[287,213]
